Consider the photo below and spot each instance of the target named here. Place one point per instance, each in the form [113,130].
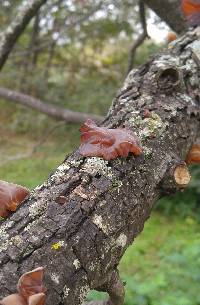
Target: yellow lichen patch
[57,245]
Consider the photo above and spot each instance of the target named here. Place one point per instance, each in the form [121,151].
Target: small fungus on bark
[171,36]
[193,156]
[191,10]
[146,113]
[11,196]
[61,200]
[30,290]
[31,283]
[14,299]
[107,143]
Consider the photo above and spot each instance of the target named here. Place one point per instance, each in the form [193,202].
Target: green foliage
[162,265]
[33,169]
[184,203]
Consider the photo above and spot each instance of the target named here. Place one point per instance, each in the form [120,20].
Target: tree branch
[170,12]
[56,112]
[15,29]
[106,204]
[141,38]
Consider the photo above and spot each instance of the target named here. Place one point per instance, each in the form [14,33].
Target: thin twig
[43,139]
[35,147]
[140,38]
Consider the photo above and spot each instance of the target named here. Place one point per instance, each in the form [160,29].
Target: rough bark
[107,203]
[170,12]
[56,112]
[9,37]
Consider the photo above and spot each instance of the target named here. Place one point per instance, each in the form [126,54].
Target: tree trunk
[9,37]
[81,242]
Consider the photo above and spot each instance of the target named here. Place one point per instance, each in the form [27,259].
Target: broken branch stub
[182,176]
[169,79]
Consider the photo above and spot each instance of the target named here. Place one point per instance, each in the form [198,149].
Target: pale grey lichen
[186,98]
[31,225]
[95,165]
[129,79]
[74,163]
[39,187]
[60,174]
[189,65]
[83,292]
[166,61]
[4,236]
[116,184]
[98,221]
[195,46]
[108,245]
[5,241]
[93,266]
[102,203]
[37,208]
[55,278]
[121,240]
[148,127]
[66,291]
[16,240]
[147,152]
[76,263]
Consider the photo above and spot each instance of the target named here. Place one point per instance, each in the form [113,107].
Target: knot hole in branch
[169,79]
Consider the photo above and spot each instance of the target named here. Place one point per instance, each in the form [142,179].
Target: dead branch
[56,112]
[141,38]
[9,37]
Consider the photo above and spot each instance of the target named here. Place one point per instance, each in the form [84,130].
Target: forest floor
[162,267]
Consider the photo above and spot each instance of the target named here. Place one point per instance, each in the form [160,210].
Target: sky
[157,31]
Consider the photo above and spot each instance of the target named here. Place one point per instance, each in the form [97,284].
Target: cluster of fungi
[95,142]
[30,290]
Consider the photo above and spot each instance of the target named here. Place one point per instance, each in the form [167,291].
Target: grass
[161,267]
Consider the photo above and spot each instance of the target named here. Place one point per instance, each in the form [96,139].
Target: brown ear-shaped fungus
[191,10]
[31,283]
[107,143]
[11,196]
[37,299]
[171,36]
[193,156]
[13,299]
